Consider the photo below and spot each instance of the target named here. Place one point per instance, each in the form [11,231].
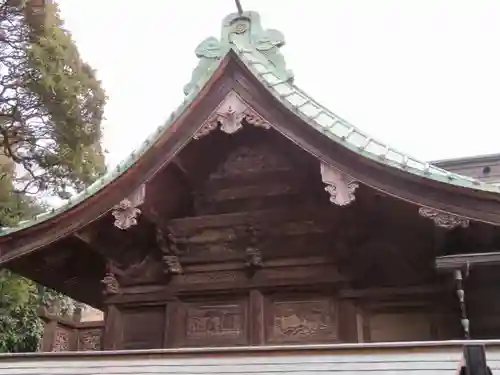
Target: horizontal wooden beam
[392,292]
[452,262]
[264,217]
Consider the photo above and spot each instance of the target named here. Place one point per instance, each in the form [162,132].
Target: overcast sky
[420,75]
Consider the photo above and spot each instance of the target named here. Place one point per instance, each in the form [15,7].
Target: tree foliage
[20,300]
[51,107]
[20,327]
[51,103]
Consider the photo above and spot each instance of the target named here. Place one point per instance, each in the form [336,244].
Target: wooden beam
[88,237]
[385,292]
[452,262]
[253,217]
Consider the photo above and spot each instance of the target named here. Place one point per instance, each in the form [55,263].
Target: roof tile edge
[274,77]
[259,49]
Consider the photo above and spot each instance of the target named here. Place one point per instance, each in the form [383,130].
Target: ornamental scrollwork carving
[444,219]
[208,51]
[61,340]
[89,340]
[111,285]
[254,258]
[339,185]
[253,236]
[245,31]
[172,265]
[170,251]
[230,116]
[120,275]
[296,321]
[126,212]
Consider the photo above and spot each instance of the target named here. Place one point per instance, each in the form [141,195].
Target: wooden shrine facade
[243,241]
[241,224]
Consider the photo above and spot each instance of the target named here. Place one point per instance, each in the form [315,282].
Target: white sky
[420,75]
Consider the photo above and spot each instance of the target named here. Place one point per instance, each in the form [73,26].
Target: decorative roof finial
[242,32]
[239,7]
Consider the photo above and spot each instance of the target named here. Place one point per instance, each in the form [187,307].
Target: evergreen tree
[51,107]
[51,104]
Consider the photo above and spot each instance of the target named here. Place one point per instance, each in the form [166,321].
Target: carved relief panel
[62,340]
[220,323]
[297,320]
[90,339]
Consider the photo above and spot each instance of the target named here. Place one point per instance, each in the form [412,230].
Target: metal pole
[239,7]
[461,298]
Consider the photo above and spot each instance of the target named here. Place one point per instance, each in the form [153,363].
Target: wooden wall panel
[213,322]
[300,319]
[400,327]
[143,327]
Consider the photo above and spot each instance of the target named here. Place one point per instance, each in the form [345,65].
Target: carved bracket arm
[254,258]
[443,219]
[172,265]
[340,186]
[126,212]
[111,285]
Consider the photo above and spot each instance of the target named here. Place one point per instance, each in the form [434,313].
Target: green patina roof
[259,49]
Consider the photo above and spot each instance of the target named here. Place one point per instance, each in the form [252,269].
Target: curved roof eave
[346,134]
[124,165]
[261,56]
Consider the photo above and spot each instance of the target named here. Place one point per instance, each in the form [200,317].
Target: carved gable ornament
[340,186]
[126,212]
[443,219]
[229,117]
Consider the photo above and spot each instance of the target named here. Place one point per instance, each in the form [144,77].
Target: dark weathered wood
[348,324]
[143,326]
[238,244]
[384,292]
[301,318]
[184,226]
[112,328]
[257,318]
[478,205]
[172,315]
[150,164]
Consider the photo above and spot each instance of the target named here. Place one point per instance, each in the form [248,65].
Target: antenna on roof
[238,6]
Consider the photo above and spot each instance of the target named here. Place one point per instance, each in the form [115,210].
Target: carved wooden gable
[248,178]
[259,256]
[252,159]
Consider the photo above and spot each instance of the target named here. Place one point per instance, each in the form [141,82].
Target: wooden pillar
[112,328]
[49,334]
[348,324]
[173,326]
[256,318]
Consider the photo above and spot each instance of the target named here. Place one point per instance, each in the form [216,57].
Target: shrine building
[256,223]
